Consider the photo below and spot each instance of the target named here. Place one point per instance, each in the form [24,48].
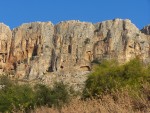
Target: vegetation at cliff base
[109,77]
[15,97]
[110,87]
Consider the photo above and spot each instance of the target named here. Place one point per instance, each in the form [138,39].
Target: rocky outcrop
[31,49]
[37,49]
[120,39]
[5,43]
[146,30]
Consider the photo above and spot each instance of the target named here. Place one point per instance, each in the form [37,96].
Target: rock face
[5,43]
[32,45]
[68,48]
[146,30]
[120,39]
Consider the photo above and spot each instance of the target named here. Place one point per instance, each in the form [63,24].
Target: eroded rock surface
[5,43]
[146,30]
[39,49]
[120,39]
[31,49]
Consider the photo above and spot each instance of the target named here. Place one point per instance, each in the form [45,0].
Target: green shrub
[43,95]
[5,81]
[57,96]
[14,97]
[17,98]
[109,76]
[60,94]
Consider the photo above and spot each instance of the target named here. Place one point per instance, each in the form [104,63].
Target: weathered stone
[77,44]
[146,30]
[5,43]
[31,48]
[120,39]
[67,50]
[73,48]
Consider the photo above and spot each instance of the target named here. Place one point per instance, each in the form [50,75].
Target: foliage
[109,77]
[42,96]
[60,94]
[5,81]
[14,97]
[57,96]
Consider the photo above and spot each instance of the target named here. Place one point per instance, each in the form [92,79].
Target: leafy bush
[57,96]
[5,81]
[17,97]
[109,76]
[43,95]
[60,94]
[14,97]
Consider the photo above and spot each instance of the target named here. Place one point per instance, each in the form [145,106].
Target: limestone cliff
[146,30]
[32,45]
[68,48]
[5,43]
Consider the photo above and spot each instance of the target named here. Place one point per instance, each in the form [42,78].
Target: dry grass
[116,103]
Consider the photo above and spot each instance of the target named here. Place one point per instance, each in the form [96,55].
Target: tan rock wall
[68,48]
[5,43]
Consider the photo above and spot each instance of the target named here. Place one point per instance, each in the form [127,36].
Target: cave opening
[85,68]
[35,49]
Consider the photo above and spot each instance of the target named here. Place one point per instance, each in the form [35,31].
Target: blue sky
[15,12]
